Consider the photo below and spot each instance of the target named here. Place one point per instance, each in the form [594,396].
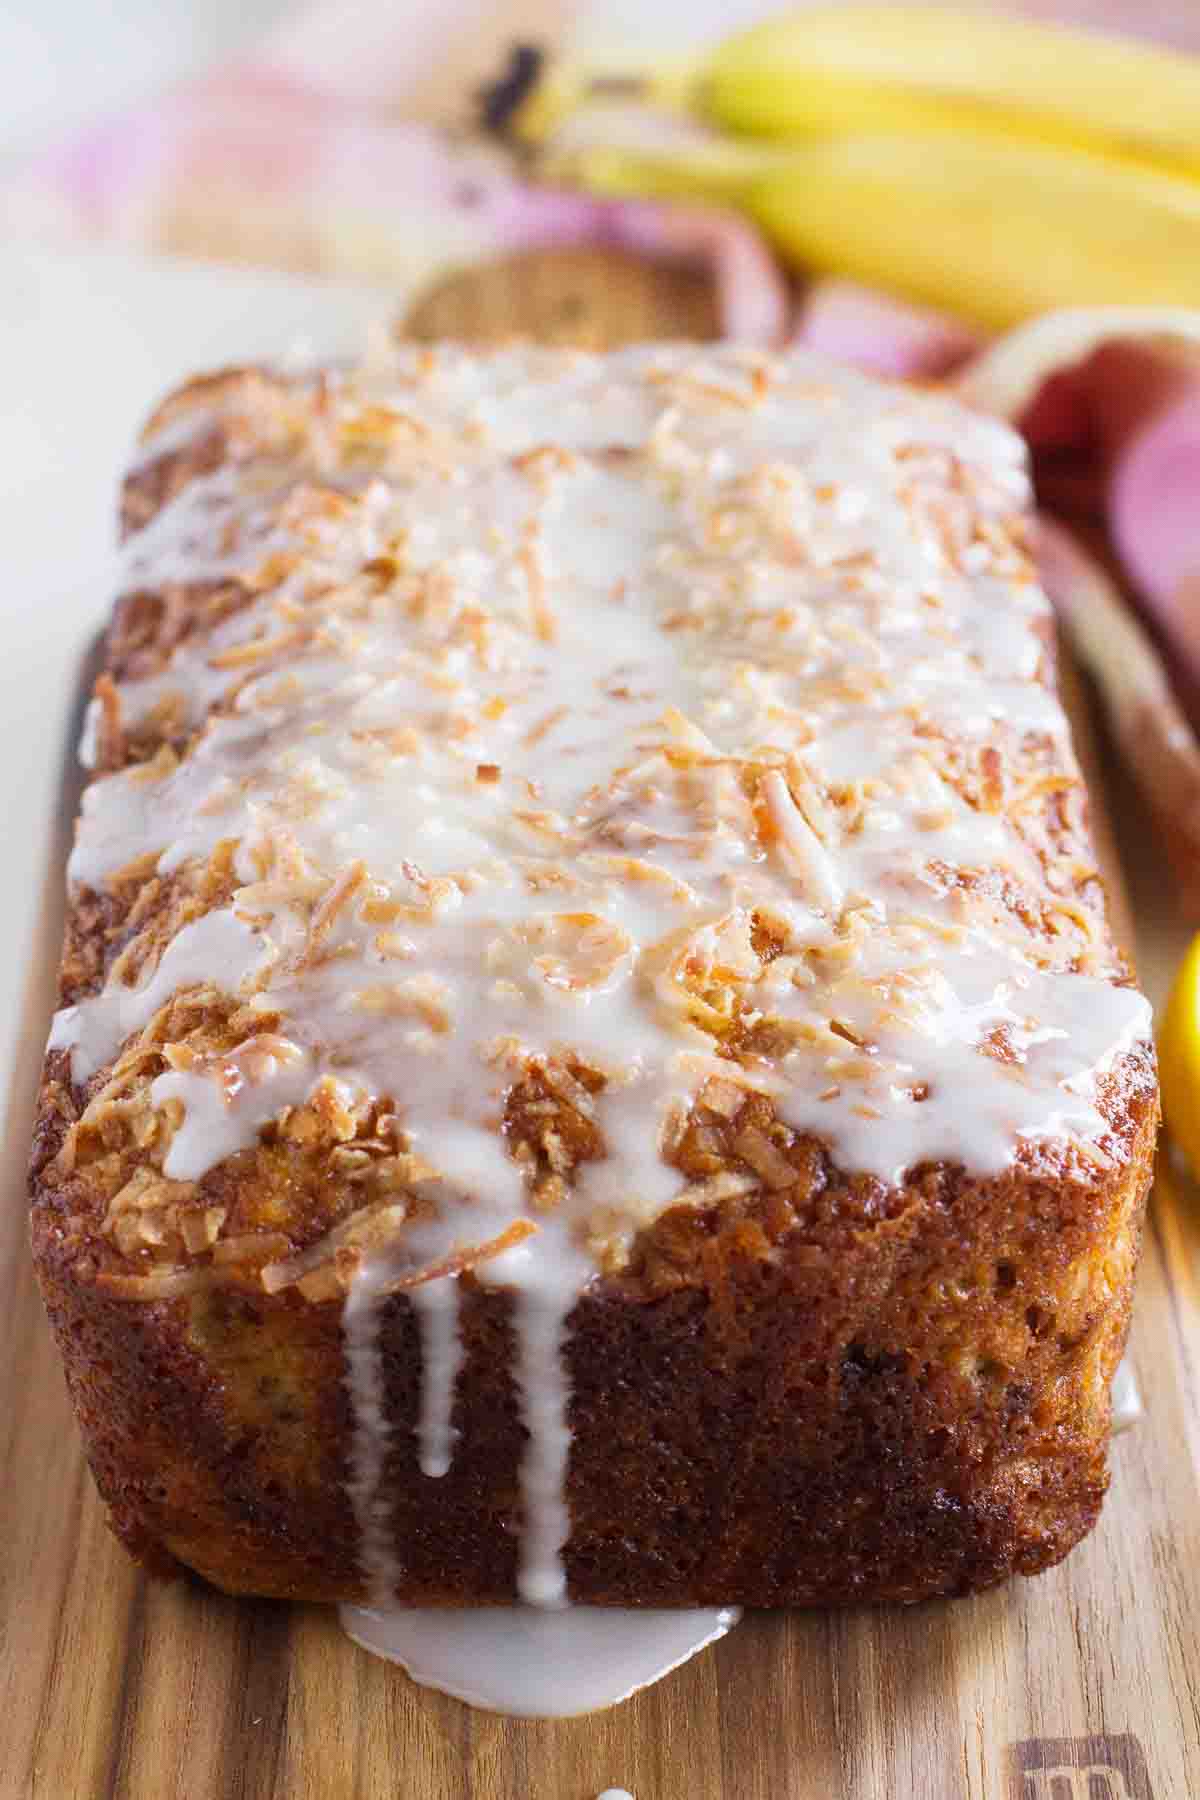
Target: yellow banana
[863,68]
[1179,1057]
[834,70]
[990,227]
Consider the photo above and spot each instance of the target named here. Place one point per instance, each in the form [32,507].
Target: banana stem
[534,94]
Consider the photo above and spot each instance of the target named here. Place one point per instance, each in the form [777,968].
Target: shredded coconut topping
[568,672]
[680,717]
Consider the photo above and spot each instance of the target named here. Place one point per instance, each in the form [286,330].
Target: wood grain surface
[113,1685]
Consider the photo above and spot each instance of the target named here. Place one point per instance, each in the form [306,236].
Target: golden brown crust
[869,1406]
[819,1389]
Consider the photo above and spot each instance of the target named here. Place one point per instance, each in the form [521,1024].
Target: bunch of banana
[987,164]
[992,228]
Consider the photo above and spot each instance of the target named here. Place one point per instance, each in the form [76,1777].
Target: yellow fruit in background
[993,228]
[871,68]
[849,69]
[1179,1057]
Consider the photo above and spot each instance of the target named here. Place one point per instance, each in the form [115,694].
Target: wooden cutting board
[113,1685]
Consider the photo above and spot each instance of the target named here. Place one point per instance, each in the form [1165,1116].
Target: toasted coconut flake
[341,891]
[688,732]
[249,1246]
[199,1230]
[800,846]
[421,997]
[459,1262]
[138,868]
[532,558]
[257,650]
[329,1282]
[369,1228]
[576,952]
[156,1284]
[544,725]
[767,1161]
[110,734]
[723,1097]
[568,1087]
[728,1184]
[705,394]
[544,461]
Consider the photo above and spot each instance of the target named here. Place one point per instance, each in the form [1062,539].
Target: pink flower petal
[882,335]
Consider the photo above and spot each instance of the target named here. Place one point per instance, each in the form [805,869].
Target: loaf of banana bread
[591,1061]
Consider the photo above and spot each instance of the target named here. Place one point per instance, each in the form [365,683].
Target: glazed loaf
[591,1059]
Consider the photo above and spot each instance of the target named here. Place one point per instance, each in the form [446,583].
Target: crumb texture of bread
[591,1061]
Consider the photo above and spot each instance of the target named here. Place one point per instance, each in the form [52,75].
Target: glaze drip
[538,1665]
[436,1305]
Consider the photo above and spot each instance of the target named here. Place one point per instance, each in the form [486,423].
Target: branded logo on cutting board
[1087,1768]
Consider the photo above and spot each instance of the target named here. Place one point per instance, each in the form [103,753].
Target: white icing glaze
[208,950]
[567,674]
[89,736]
[225,1109]
[547,1288]
[436,1304]
[364,1378]
[535,1664]
[1127,1406]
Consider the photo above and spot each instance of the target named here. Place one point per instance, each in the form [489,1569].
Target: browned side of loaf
[832,1391]
[875,1407]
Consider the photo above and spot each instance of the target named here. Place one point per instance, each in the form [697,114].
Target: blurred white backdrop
[63,62]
